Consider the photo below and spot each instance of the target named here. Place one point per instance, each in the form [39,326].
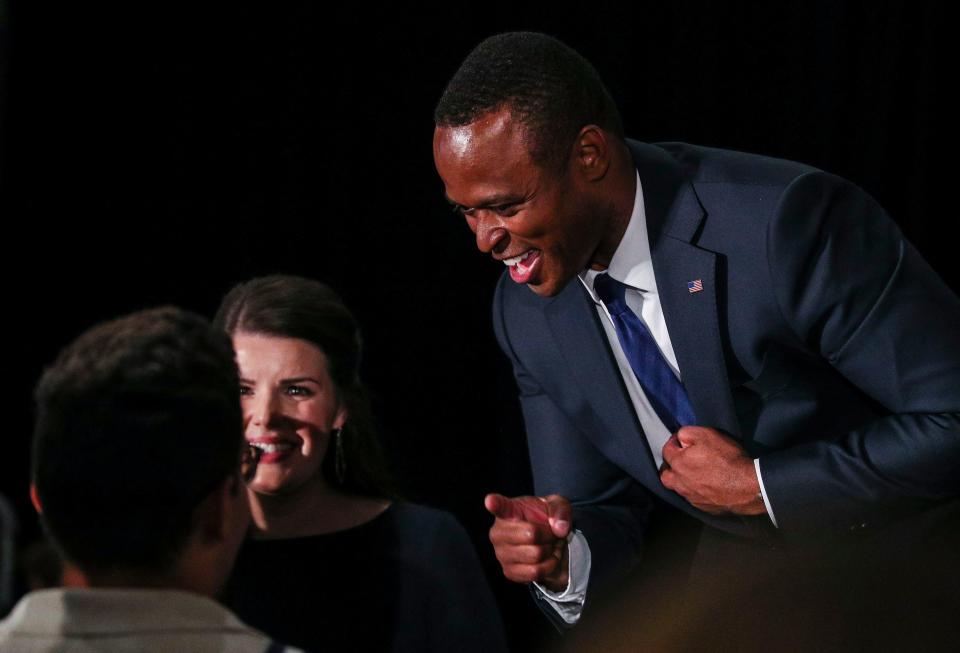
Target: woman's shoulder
[416,513]
[425,528]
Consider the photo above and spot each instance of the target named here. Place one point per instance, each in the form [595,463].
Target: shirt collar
[101,611]
[631,263]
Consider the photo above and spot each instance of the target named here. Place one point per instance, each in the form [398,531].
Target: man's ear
[592,153]
[223,513]
[35,498]
[210,516]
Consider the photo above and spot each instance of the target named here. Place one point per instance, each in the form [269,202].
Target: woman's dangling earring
[339,460]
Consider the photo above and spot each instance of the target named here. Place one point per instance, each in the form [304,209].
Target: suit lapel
[693,325]
[575,326]
[674,218]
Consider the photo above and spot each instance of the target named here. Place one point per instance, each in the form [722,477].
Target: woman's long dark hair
[295,307]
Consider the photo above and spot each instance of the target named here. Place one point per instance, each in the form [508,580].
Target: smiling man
[559,223]
[695,333]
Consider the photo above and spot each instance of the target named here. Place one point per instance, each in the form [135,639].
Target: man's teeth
[267,447]
[516,259]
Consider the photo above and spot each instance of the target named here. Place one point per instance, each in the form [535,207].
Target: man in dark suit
[745,341]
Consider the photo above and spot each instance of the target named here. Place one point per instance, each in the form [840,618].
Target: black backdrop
[159,155]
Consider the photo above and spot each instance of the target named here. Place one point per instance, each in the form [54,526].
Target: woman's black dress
[408,580]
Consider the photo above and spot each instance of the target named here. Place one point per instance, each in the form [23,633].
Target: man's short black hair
[548,86]
[137,421]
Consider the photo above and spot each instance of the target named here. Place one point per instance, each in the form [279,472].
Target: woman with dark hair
[334,561]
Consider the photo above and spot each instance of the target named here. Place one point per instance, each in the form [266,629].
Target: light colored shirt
[98,619]
[631,265]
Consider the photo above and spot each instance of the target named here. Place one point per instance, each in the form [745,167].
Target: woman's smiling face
[290,407]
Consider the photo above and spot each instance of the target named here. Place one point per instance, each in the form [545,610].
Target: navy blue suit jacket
[822,342]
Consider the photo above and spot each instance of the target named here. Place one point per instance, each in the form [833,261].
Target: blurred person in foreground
[137,476]
[334,561]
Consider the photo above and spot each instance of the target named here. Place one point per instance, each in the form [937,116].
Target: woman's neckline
[376,512]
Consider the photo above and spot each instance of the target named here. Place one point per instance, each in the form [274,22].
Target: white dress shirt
[631,265]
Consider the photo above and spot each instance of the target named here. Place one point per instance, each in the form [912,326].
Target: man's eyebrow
[487,202]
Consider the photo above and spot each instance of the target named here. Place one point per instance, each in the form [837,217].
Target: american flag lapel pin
[695,286]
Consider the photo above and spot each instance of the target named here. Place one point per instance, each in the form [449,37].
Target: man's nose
[491,236]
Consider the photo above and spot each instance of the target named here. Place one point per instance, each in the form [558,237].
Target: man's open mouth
[522,265]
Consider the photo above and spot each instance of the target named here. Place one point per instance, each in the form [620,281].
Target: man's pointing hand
[529,536]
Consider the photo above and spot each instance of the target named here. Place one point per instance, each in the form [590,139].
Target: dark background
[155,155]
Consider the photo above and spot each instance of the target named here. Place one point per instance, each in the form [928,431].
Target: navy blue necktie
[662,387]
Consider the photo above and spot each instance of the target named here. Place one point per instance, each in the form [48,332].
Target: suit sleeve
[609,507]
[856,292]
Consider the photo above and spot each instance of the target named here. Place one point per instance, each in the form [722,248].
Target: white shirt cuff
[569,603]
[763,493]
